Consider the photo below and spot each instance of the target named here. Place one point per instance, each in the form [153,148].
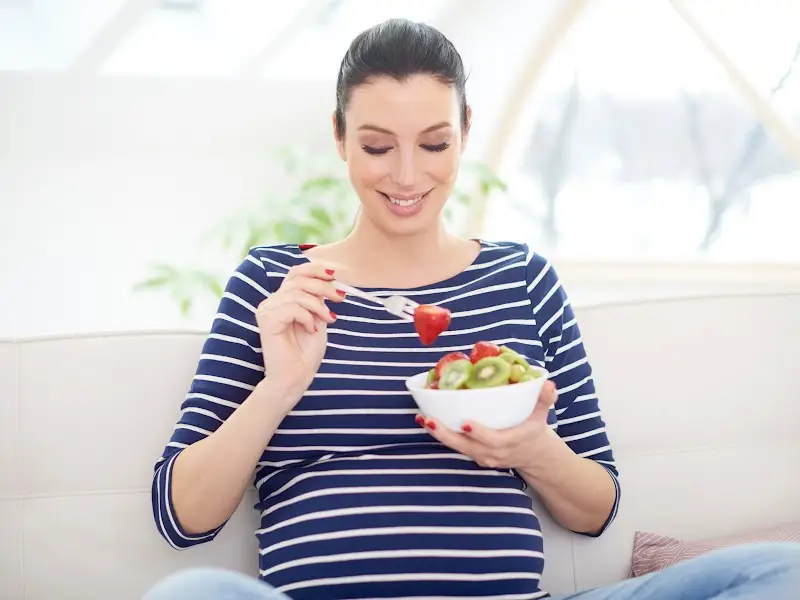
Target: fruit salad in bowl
[493,385]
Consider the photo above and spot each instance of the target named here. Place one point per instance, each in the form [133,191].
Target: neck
[402,253]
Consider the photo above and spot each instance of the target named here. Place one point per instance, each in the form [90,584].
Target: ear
[465,133]
[337,138]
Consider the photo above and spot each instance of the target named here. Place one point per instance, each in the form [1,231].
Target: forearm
[578,492]
[211,476]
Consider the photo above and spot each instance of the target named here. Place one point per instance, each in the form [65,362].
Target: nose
[404,170]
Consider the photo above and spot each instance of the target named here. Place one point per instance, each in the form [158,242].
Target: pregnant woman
[301,390]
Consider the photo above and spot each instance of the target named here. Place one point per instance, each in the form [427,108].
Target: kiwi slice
[513,357]
[455,374]
[490,371]
[517,373]
[431,377]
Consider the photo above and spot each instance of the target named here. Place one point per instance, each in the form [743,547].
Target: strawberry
[430,321]
[484,349]
[448,358]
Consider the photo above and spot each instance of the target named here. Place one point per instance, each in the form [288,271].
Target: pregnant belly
[400,532]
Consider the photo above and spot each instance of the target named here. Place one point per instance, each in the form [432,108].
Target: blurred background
[649,148]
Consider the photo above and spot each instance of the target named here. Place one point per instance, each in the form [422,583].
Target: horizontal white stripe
[201,411]
[576,342]
[450,332]
[237,322]
[600,450]
[393,489]
[496,261]
[579,418]
[232,361]
[417,349]
[234,340]
[203,432]
[399,554]
[329,458]
[411,530]
[226,381]
[338,412]
[360,377]
[569,367]
[312,393]
[337,448]
[394,509]
[366,363]
[239,301]
[489,309]
[252,283]
[584,435]
[212,399]
[352,431]
[388,577]
[372,473]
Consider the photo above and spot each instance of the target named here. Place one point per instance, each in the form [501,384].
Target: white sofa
[702,399]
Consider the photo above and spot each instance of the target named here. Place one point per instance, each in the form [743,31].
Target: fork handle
[357,292]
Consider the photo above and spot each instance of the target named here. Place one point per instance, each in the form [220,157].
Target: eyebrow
[434,127]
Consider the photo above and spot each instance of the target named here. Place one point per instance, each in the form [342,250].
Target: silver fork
[399,306]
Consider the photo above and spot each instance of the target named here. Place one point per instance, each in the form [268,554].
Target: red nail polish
[431,425]
[467,428]
[333,315]
[341,293]
[420,420]
[330,272]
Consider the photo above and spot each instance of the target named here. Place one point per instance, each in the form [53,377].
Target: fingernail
[315,328]
[467,428]
[431,425]
[333,315]
[342,293]
[420,420]
[329,272]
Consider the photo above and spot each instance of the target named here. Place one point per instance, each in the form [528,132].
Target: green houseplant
[319,208]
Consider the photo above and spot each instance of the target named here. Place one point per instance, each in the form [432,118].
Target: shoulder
[255,274]
[538,268]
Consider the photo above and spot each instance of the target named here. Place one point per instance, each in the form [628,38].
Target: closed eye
[437,148]
[372,150]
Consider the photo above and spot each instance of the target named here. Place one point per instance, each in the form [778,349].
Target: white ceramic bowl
[497,407]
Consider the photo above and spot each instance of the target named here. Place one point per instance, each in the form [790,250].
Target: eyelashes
[383,150]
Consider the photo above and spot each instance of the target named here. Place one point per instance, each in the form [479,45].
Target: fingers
[547,398]
[311,270]
[449,438]
[301,298]
[314,286]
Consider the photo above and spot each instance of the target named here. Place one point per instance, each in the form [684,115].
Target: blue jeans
[747,572]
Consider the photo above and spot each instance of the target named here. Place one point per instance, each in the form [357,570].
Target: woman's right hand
[293,325]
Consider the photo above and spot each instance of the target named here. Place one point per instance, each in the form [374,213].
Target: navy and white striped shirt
[356,499]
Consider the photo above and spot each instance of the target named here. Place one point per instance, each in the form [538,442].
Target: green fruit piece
[491,371]
[455,374]
[514,358]
[431,377]
[530,374]
[517,373]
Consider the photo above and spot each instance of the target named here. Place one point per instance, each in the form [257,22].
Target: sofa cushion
[654,552]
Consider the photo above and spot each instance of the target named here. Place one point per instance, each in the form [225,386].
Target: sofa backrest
[701,397]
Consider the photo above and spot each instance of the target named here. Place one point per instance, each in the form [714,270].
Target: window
[637,145]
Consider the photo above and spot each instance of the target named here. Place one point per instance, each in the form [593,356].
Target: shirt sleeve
[229,368]
[578,419]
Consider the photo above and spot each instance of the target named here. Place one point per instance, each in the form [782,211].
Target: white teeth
[404,202]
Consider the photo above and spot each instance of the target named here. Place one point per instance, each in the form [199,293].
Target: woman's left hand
[511,448]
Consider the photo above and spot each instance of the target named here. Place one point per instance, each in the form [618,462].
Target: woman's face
[403,145]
